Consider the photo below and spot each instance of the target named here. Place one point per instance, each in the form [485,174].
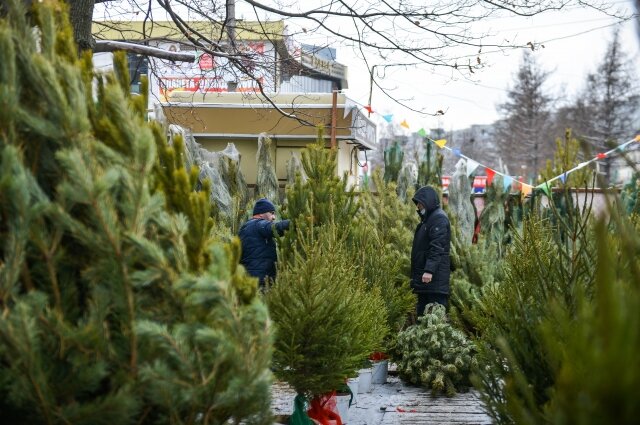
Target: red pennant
[601,156]
[369,109]
[490,174]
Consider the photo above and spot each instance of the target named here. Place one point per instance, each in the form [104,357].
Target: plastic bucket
[353,386]
[342,406]
[364,381]
[379,372]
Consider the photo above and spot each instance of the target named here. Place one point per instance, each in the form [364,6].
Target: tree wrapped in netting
[435,354]
[393,157]
[406,186]
[294,168]
[430,166]
[108,315]
[493,227]
[460,203]
[267,181]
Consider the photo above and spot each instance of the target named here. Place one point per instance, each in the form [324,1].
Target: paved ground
[395,403]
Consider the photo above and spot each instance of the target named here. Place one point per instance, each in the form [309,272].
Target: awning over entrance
[246,115]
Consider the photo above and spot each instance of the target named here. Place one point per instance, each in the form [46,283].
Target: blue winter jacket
[259,254]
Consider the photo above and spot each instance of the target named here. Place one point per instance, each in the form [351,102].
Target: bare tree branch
[112,46]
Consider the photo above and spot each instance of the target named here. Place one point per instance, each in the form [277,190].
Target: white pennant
[348,106]
[471,166]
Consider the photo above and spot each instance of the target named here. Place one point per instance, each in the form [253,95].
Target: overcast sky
[575,43]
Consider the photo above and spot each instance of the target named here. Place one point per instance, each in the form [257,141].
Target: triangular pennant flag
[471,166]
[637,138]
[422,132]
[369,109]
[563,177]
[388,118]
[544,187]
[526,189]
[601,156]
[456,152]
[348,106]
[506,182]
[490,174]
[404,124]
[440,143]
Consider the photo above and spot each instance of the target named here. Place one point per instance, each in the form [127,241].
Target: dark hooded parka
[431,245]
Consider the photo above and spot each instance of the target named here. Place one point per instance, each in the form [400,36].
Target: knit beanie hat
[263,206]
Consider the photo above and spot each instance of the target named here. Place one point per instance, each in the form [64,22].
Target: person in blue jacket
[259,253]
[430,261]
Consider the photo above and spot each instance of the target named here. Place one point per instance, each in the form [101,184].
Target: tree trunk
[81,15]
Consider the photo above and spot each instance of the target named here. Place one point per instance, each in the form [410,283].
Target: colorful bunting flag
[369,109]
[601,156]
[526,189]
[506,182]
[440,143]
[490,174]
[456,152]
[563,177]
[637,138]
[349,105]
[388,118]
[544,187]
[404,124]
[422,132]
[471,166]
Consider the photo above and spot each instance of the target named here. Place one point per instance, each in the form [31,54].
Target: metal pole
[334,118]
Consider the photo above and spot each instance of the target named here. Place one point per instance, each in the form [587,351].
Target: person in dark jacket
[259,254]
[430,262]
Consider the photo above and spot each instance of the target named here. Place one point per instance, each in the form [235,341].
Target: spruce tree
[112,313]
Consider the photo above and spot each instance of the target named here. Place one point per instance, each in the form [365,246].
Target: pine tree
[327,320]
[321,198]
[108,316]
[380,244]
[566,156]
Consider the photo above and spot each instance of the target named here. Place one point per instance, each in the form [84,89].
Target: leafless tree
[523,133]
[422,34]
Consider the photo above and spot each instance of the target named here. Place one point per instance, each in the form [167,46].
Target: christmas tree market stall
[122,298]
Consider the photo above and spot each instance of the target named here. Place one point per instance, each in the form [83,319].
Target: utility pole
[334,118]
[373,67]
[230,22]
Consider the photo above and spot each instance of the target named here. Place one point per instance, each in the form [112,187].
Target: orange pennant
[404,124]
[637,138]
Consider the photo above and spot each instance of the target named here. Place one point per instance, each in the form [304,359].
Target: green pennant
[422,132]
[544,187]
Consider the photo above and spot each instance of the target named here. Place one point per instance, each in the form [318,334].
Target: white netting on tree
[294,167]
[229,160]
[192,149]
[407,180]
[210,169]
[460,202]
[267,181]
